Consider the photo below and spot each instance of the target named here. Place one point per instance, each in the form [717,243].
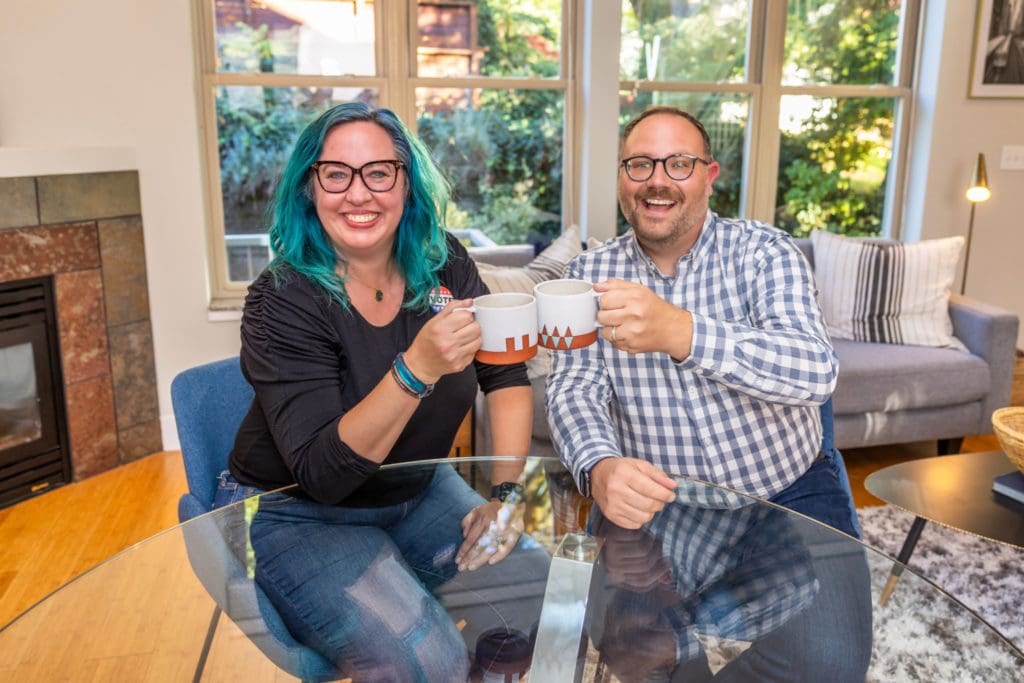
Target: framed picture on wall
[997,63]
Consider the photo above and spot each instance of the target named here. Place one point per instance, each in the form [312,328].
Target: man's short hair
[675,111]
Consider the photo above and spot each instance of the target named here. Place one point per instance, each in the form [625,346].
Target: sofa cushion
[894,377]
[890,292]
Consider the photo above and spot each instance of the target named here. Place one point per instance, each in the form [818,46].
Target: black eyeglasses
[377,176]
[677,166]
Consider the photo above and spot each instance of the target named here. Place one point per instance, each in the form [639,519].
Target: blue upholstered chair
[209,403]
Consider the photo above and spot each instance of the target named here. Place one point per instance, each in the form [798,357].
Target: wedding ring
[614,339]
[500,540]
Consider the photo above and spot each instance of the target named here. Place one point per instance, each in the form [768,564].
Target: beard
[667,231]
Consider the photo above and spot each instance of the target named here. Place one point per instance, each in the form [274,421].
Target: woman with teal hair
[360,350]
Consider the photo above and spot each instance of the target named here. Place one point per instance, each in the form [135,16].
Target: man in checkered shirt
[714,360]
[714,363]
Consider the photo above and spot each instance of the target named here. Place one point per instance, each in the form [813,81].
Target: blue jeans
[357,584]
[823,494]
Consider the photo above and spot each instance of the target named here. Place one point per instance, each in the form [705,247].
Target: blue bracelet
[421,389]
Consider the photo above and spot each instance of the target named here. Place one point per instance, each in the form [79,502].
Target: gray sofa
[889,394]
[886,393]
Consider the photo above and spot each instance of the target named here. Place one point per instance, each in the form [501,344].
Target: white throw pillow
[887,293]
[550,264]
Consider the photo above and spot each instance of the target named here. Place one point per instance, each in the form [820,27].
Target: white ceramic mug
[566,314]
[508,324]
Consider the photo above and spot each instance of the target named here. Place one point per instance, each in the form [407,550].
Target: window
[484,83]
[806,103]
[490,95]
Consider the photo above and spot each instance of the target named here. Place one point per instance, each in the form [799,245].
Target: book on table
[1010,485]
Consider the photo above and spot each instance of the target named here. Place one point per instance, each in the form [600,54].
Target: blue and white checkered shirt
[743,410]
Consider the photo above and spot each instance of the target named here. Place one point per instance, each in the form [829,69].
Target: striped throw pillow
[884,292]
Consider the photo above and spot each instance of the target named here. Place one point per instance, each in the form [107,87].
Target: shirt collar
[701,247]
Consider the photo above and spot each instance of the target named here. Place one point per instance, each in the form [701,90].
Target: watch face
[504,489]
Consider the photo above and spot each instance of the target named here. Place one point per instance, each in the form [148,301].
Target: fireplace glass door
[21,421]
[33,435]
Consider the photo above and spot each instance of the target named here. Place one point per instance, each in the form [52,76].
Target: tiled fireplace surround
[86,231]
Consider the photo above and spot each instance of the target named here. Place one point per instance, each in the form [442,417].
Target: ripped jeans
[356,584]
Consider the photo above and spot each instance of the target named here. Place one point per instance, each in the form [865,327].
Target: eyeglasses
[677,166]
[377,176]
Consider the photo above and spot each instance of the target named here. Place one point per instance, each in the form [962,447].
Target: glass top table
[717,584]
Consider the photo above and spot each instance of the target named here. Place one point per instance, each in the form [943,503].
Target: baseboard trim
[169,433]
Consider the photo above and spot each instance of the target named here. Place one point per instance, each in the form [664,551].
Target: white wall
[951,130]
[120,74]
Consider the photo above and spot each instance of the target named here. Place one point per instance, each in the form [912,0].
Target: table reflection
[717,585]
[748,584]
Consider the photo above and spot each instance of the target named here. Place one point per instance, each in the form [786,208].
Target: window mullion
[572,26]
[763,152]
[598,108]
[397,57]
[221,291]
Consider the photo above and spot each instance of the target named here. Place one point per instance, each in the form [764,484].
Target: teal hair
[298,240]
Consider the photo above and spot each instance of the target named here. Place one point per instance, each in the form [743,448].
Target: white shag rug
[936,644]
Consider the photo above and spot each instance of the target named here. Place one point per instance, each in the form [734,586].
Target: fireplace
[75,241]
[34,452]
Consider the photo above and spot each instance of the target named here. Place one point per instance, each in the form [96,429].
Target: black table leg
[214,620]
[904,557]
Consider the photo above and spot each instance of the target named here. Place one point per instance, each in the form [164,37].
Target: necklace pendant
[378,295]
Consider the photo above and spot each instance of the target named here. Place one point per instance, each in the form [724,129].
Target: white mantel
[18,162]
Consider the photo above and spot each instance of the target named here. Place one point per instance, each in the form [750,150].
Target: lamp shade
[978,190]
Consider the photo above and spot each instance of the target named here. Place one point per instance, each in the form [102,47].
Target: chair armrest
[989,332]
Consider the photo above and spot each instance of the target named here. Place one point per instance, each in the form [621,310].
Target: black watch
[505,489]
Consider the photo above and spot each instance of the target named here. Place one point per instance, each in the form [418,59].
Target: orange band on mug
[511,354]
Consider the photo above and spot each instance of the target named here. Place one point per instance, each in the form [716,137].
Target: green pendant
[379,295]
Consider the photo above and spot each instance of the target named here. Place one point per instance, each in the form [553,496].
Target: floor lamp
[977,191]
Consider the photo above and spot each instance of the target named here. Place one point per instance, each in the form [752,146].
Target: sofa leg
[950,446]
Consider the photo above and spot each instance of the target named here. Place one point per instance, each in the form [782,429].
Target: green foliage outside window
[833,170]
[504,154]
[833,164]
[254,142]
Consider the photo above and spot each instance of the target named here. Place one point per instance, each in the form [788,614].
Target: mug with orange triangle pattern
[566,314]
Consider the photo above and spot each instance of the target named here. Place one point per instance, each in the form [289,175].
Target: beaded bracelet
[409,383]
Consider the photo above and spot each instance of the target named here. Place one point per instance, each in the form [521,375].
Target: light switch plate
[1013,158]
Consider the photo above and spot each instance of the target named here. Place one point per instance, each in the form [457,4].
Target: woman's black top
[310,360]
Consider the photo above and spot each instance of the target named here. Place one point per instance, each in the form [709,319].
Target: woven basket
[1009,426]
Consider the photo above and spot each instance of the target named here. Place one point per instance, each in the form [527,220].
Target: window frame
[589,81]
[395,81]
[763,85]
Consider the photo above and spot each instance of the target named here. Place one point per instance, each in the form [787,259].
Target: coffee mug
[508,325]
[566,314]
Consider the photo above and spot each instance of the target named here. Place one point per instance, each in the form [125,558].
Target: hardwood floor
[47,540]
